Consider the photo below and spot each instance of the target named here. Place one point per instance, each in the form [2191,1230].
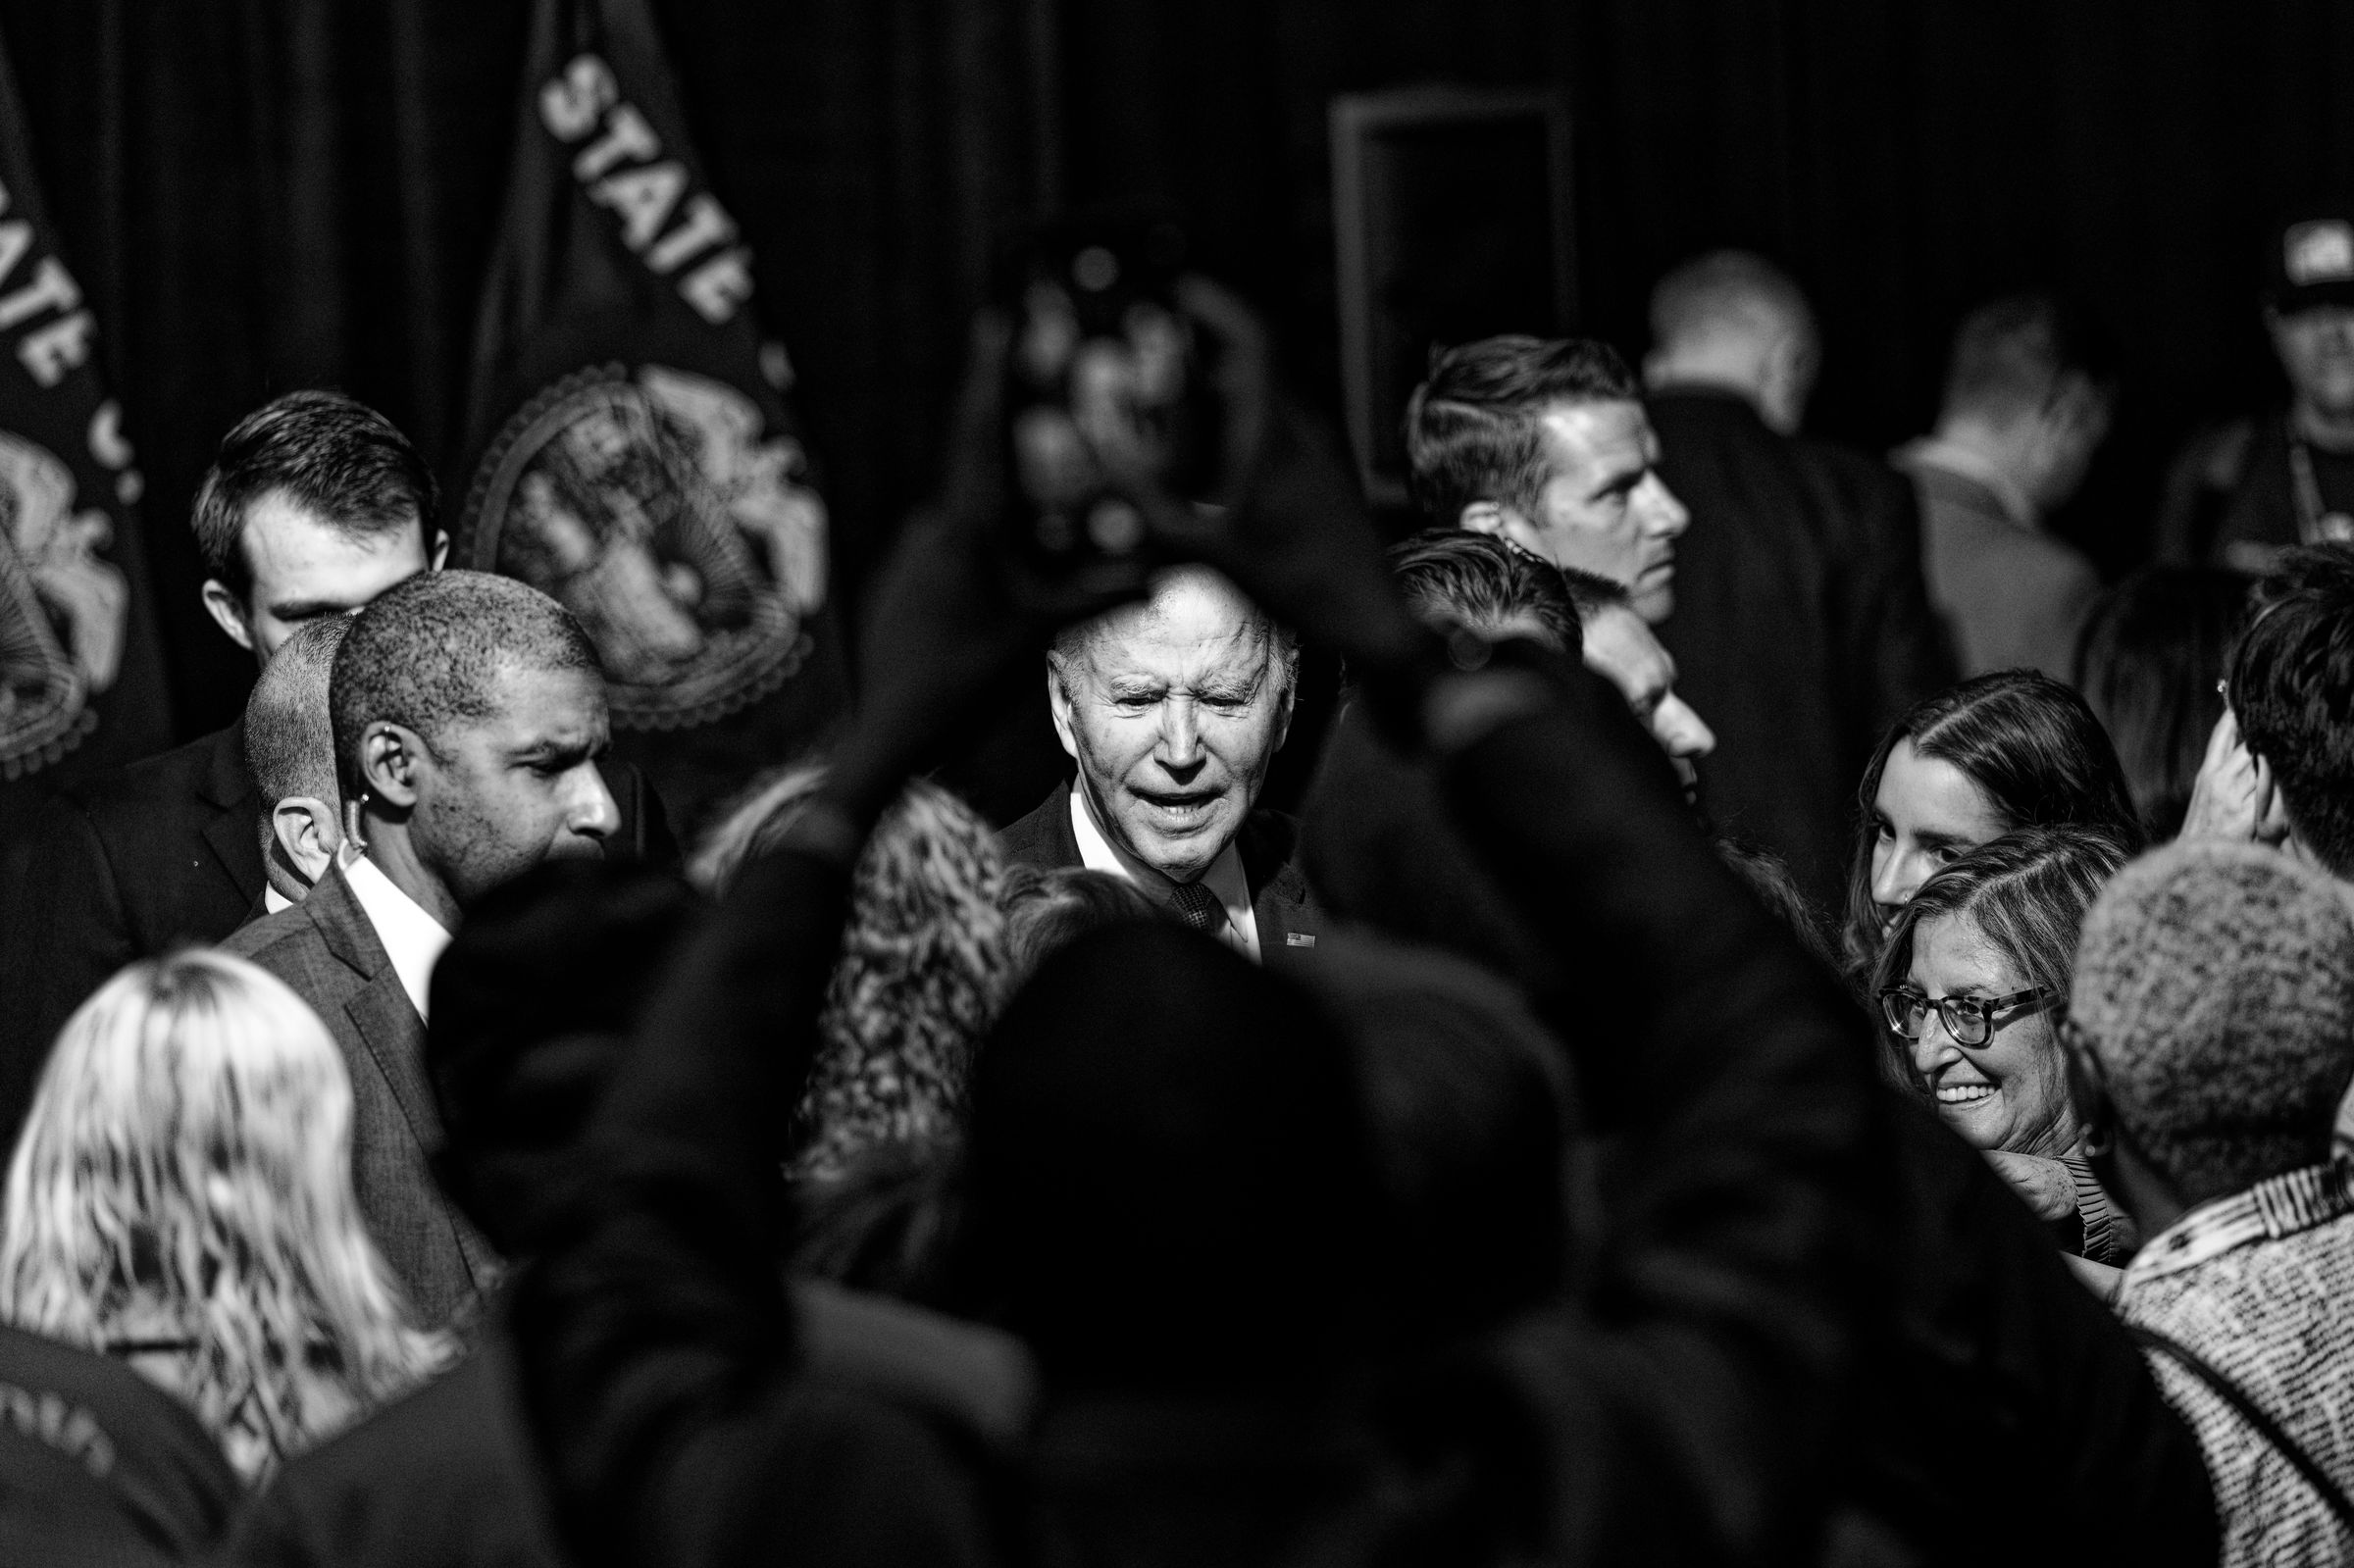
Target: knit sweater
[2261,1286]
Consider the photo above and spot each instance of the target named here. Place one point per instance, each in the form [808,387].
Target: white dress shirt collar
[273,901]
[1224,877]
[413,939]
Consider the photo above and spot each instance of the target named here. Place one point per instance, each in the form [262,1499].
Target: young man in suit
[468,714]
[1172,710]
[1545,445]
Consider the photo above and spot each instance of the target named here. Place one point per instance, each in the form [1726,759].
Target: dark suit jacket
[325,949]
[1799,626]
[167,850]
[1287,914]
[123,864]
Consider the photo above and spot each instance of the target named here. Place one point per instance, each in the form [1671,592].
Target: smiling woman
[1968,984]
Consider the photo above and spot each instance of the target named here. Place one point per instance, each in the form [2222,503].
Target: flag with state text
[628,447]
[81,676]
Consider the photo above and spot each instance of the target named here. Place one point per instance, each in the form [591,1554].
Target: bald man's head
[1733,320]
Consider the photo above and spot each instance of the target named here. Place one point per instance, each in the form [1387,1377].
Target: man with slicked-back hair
[468,714]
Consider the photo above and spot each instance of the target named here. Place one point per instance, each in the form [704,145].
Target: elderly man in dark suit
[468,714]
[1172,710]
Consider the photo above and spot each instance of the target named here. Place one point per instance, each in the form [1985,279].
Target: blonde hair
[187,1161]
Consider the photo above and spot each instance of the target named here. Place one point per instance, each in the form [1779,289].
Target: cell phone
[1102,360]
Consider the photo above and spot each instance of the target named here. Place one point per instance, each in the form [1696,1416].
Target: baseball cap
[2314,265]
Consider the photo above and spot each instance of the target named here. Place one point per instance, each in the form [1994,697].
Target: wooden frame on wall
[1450,220]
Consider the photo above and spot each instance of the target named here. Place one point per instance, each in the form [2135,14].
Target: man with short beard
[468,715]
[1172,710]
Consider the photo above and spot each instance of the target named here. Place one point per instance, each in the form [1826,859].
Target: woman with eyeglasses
[2009,750]
[1968,987]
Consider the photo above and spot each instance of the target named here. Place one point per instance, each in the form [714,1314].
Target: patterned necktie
[1199,907]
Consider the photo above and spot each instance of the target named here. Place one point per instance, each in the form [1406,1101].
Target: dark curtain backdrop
[261,195]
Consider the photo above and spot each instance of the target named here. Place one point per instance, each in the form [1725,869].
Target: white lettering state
[51,287]
[627,136]
[719,287]
[56,349]
[570,105]
[15,238]
[645,197]
[707,224]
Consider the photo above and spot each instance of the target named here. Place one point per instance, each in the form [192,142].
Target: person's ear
[392,756]
[439,556]
[308,834]
[2273,826]
[1058,703]
[1486,516]
[1284,705]
[2088,1094]
[228,612]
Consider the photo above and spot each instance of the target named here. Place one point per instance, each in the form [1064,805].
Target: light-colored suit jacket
[325,949]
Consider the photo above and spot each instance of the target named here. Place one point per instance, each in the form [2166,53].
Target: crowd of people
[1791,1025]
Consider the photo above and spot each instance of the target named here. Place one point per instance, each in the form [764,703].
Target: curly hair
[925,964]
[186,1173]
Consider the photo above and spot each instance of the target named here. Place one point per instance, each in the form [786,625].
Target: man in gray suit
[468,714]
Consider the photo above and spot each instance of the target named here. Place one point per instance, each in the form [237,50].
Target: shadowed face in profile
[499,794]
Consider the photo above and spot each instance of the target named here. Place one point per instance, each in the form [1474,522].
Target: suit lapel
[1280,903]
[386,1021]
[233,833]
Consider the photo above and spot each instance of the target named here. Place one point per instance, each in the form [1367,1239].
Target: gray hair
[1076,643]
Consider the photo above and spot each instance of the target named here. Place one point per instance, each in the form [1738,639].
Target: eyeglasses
[1969,1019]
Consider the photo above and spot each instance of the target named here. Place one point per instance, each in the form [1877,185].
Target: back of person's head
[2025,893]
[289,739]
[923,970]
[2015,356]
[1727,294]
[1472,429]
[2031,747]
[2147,662]
[337,459]
[1458,580]
[884,1222]
[2292,684]
[429,651]
[2215,990]
[187,1162]
[1047,910]
[1169,1186]
[532,1002]
[1468,1102]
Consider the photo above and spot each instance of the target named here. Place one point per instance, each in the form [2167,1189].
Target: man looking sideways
[1544,443]
[469,713]
[1171,711]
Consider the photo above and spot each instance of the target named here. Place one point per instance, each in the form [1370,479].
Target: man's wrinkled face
[1620,646]
[2317,351]
[1172,712]
[497,794]
[1604,509]
[305,568]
